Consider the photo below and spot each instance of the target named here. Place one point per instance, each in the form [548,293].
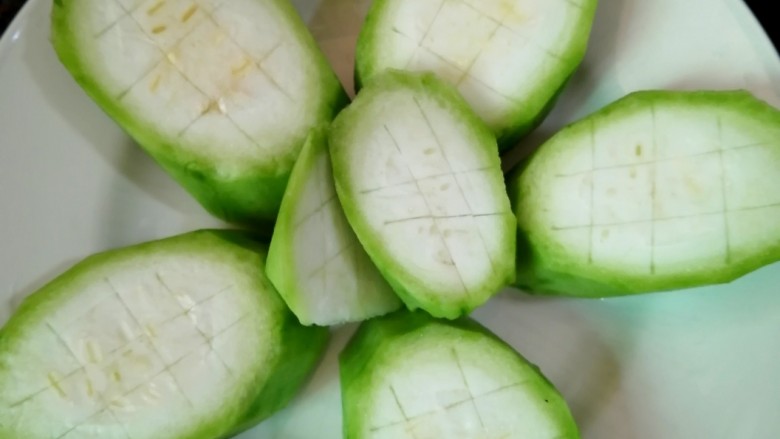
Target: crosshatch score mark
[430,211]
[653,164]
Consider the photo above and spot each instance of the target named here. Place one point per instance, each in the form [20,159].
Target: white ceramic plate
[687,365]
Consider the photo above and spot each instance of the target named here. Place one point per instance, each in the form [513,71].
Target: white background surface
[685,365]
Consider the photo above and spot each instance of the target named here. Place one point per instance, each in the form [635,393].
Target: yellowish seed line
[159,29]
[90,389]
[56,385]
[155,84]
[207,107]
[156,7]
[242,68]
[93,352]
[119,403]
[189,13]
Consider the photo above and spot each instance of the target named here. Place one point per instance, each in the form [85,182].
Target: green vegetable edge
[300,348]
[281,258]
[546,268]
[373,343]
[250,198]
[526,115]
[405,285]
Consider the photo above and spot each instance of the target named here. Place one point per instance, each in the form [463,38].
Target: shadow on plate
[336,25]
[320,398]
[572,350]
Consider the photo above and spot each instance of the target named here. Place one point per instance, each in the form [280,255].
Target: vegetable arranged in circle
[509,58]
[658,191]
[419,178]
[409,376]
[178,338]
[315,259]
[221,93]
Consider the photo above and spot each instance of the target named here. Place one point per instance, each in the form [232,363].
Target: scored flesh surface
[166,332]
[215,74]
[508,58]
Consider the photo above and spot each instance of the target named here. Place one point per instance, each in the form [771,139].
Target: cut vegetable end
[419,178]
[316,261]
[224,88]
[658,191]
[145,342]
[508,58]
[410,376]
